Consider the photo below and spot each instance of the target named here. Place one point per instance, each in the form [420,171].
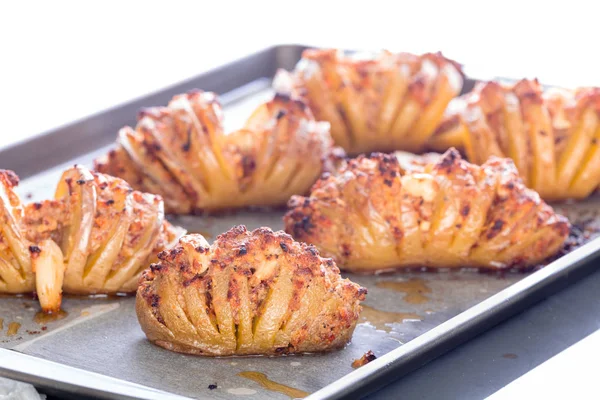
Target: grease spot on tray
[13,329]
[1,324]
[383,320]
[415,290]
[268,384]
[510,356]
[43,318]
[92,312]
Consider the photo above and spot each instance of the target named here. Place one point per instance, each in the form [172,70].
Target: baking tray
[97,349]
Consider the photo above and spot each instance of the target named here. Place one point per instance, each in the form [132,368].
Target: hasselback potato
[95,236]
[182,153]
[29,260]
[16,273]
[441,211]
[248,293]
[552,136]
[110,232]
[383,102]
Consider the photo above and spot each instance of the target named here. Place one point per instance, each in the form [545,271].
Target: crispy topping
[96,236]
[380,102]
[182,153]
[549,134]
[434,211]
[227,301]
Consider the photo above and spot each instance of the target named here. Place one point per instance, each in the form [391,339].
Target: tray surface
[102,334]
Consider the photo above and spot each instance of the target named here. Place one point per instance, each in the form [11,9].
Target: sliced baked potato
[96,236]
[381,102]
[181,153]
[16,272]
[552,136]
[248,293]
[377,213]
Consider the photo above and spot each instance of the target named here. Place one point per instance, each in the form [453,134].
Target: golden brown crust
[44,220]
[552,136]
[181,153]
[375,214]
[383,102]
[107,233]
[110,233]
[16,275]
[249,293]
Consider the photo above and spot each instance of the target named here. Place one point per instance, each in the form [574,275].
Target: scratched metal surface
[102,334]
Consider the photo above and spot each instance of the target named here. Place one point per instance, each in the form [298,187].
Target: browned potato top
[254,292]
[182,153]
[16,275]
[375,214]
[96,236]
[381,102]
[109,233]
[552,136]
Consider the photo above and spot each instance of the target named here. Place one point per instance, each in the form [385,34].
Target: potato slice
[49,271]
[577,146]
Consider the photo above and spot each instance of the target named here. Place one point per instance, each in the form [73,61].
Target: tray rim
[46,374]
[367,379]
[465,326]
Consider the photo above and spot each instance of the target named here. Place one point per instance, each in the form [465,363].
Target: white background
[63,60]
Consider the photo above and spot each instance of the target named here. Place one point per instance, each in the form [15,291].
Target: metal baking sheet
[436,309]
